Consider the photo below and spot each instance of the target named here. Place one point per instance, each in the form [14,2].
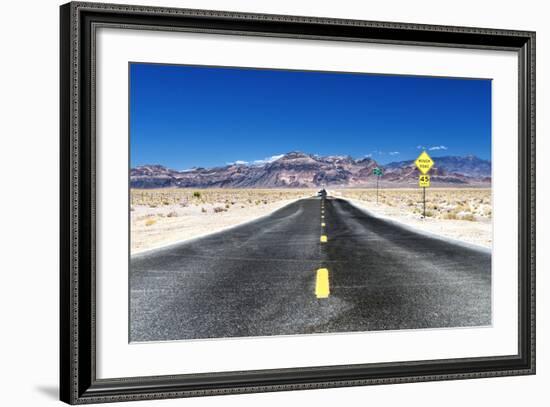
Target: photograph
[267,202]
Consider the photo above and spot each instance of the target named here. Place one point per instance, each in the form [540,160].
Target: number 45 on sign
[424,181]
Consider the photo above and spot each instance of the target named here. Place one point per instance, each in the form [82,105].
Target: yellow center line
[322,287]
[323,224]
[324,238]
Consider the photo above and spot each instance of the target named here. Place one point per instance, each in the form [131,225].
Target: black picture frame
[78,382]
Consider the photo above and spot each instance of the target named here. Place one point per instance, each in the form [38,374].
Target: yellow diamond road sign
[424,163]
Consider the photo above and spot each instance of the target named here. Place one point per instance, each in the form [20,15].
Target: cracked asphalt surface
[259,279]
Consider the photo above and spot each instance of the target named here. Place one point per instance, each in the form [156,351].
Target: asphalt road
[262,278]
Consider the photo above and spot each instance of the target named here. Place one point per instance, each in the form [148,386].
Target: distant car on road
[322,193]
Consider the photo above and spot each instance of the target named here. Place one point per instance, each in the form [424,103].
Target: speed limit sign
[424,181]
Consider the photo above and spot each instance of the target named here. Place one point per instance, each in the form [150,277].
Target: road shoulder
[172,231]
[474,235]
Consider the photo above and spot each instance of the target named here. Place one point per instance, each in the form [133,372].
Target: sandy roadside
[157,227]
[475,232]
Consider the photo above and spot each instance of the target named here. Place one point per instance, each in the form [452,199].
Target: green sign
[377,171]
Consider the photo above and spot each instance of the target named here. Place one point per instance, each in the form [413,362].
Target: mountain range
[301,170]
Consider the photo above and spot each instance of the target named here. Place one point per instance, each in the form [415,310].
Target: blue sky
[184,116]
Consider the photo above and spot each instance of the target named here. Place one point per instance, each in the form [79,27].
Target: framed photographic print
[241,192]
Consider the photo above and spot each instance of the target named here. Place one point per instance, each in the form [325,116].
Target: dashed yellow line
[322,287]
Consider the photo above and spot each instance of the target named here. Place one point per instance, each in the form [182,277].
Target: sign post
[378,172]
[424,163]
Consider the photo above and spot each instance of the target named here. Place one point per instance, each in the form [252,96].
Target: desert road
[314,266]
